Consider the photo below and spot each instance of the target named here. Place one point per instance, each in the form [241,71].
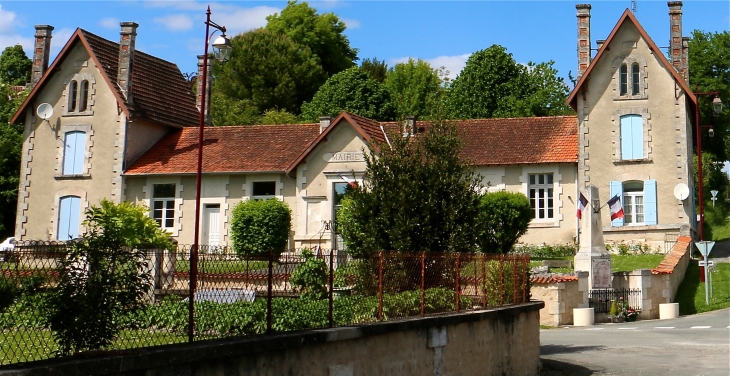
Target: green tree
[269,70]
[104,277]
[412,86]
[15,66]
[275,116]
[377,69]
[709,70]
[418,195]
[258,226]
[228,111]
[322,33]
[503,218]
[310,277]
[492,84]
[11,142]
[352,90]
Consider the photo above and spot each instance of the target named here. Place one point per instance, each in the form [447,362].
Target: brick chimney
[584,37]
[685,59]
[41,53]
[675,34]
[128,36]
[324,122]
[199,83]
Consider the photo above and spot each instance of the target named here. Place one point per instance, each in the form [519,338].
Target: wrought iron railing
[601,299]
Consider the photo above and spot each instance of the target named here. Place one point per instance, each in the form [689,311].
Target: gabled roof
[368,129]
[234,149]
[629,17]
[173,106]
[281,148]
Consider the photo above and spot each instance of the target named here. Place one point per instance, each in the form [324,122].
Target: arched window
[623,77]
[73,90]
[84,98]
[635,78]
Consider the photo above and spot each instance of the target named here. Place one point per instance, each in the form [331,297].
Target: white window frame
[149,197]
[630,206]
[557,193]
[168,203]
[534,187]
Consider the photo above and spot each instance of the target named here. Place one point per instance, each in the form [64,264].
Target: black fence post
[331,283]
[269,293]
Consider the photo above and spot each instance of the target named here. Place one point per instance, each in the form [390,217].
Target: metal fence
[600,299]
[236,295]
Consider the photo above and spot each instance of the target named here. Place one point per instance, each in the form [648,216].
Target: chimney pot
[41,53]
[324,122]
[583,15]
[199,84]
[128,36]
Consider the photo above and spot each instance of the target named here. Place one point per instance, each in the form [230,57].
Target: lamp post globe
[222,48]
[717,105]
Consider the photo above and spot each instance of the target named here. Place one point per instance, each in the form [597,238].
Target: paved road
[690,345]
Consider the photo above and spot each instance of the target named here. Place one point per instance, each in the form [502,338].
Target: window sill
[71,114]
[632,161]
[631,97]
[627,228]
[73,177]
[543,224]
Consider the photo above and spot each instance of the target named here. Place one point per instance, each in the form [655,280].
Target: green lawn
[223,266]
[691,292]
[717,222]
[619,263]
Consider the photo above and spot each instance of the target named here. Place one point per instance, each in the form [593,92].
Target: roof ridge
[136,51]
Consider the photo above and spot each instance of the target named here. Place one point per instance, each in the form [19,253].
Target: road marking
[627,328]
[664,327]
[595,328]
[701,327]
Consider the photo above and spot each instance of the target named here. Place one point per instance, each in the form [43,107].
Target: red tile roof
[527,140]
[543,279]
[255,148]
[160,92]
[282,147]
[672,258]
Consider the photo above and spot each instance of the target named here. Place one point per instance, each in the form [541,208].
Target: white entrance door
[211,218]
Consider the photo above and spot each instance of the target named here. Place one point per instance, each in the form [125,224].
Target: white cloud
[12,40]
[6,21]
[454,64]
[175,22]
[244,19]
[109,23]
[351,24]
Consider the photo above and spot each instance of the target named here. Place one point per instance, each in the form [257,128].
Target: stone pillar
[128,36]
[592,255]
[584,37]
[675,34]
[199,83]
[41,53]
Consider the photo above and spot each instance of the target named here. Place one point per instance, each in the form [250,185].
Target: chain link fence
[237,295]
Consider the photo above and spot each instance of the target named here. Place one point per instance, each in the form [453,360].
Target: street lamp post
[717,108]
[222,50]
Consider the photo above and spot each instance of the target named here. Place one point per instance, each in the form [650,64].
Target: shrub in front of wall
[503,218]
[310,278]
[258,226]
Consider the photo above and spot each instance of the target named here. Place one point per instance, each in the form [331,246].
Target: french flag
[617,210]
[349,181]
[582,203]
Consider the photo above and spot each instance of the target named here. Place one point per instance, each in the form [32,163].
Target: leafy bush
[104,277]
[503,218]
[310,278]
[260,226]
[547,251]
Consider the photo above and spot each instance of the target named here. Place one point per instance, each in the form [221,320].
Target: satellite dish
[45,111]
[681,191]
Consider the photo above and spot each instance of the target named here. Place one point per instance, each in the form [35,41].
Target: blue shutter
[650,215]
[69,215]
[73,154]
[626,146]
[637,137]
[617,188]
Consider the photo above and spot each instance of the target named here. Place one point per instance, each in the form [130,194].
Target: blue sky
[441,32]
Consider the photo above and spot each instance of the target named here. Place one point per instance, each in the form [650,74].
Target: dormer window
[79,95]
